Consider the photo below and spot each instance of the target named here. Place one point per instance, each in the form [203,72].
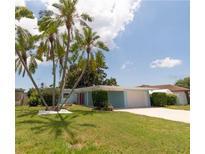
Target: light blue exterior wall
[86,98]
[90,100]
[116,98]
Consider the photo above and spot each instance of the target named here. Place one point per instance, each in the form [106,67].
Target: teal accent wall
[90,100]
[116,98]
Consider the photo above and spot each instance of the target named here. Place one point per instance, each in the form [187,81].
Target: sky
[148,39]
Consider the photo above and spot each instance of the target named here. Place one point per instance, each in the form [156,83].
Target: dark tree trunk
[30,76]
[62,83]
[76,83]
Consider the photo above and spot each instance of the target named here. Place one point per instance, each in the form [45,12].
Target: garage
[137,98]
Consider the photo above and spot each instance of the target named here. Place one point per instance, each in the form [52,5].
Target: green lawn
[179,107]
[86,131]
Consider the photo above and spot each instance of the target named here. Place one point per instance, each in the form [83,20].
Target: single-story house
[118,97]
[181,92]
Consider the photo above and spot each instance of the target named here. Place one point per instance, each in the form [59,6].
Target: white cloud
[20,3]
[126,64]
[30,24]
[110,16]
[165,63]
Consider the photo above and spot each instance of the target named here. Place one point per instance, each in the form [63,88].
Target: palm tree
[88,42]
[49,44]
[21,11]
[68,16]
[25,42]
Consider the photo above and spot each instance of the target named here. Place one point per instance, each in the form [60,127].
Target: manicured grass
[87,131]
[179,107]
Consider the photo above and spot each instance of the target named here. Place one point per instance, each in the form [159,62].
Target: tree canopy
[94,74]
[183,82]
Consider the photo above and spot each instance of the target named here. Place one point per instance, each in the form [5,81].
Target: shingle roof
[168,86]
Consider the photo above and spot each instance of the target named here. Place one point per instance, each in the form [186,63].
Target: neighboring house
[181,93]
[118,97]
[19,96]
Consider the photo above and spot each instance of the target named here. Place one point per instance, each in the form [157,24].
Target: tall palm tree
[68,15]
[88,42]
[24,42]
[49,42]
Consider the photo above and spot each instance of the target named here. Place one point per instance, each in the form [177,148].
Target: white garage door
[137,98]
[181,98]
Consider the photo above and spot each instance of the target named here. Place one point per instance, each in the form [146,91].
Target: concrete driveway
[169,114]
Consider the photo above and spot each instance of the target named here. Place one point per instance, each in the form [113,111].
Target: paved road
[169,114]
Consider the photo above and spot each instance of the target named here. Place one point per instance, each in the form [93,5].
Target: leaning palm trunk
[76,83]
[30,76]
[54,83]
[62,83]
[54,77]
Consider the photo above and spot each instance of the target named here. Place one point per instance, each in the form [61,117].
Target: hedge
[163,99]
[171,99]
[100,99]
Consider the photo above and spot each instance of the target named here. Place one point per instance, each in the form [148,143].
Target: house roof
[172,88]
[106,88]
[19,90]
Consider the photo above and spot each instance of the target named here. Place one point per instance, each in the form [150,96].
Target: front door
[81,98]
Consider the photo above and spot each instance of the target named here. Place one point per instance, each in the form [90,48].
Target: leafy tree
[24,42]
[110,82]
[94,74]
[184,82]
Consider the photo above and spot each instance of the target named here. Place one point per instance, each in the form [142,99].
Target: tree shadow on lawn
[27,113]
[57,125]
[91,112]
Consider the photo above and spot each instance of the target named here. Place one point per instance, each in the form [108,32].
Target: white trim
[125,99]
[106,88]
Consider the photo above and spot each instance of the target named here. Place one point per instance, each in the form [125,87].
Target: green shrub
[158,99]
[47,95]
[100,99]
[171,99]
[34,99]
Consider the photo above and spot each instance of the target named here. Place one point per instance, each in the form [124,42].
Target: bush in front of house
[162,99]
[171,99]
[34,99]
[158,99]
[100,100]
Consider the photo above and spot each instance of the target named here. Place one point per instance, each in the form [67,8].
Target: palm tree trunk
[62,83]
[76,83]
[54,78]
[30,76]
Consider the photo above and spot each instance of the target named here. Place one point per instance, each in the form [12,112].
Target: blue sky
[160,29]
